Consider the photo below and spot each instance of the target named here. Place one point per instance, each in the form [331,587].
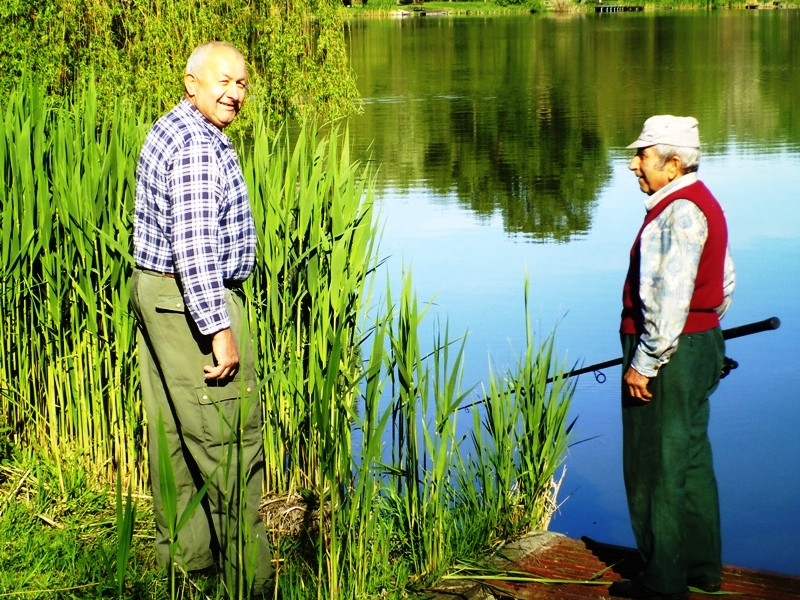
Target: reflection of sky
[760,190]
[474,271]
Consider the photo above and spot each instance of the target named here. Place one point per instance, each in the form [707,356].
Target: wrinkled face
[218,89]
[652,177]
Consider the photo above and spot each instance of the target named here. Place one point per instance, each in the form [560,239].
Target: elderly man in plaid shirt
[194,244]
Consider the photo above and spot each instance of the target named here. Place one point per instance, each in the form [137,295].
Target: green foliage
[55,545]
[313,214]
[526,419]
[137,50]
[513,2]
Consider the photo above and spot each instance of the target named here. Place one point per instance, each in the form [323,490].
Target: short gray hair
[200,54]
[690,157]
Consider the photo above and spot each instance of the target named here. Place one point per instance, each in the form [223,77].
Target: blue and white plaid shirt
[192,214]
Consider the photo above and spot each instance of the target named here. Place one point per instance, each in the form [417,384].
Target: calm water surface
[501,152]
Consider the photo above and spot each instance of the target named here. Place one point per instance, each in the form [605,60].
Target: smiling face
[217,87]
[653,173]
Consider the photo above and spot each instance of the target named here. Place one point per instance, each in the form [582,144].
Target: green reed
[519,441]
[312,209]
[453,485]
[363,413]
[125,523]
[67,369]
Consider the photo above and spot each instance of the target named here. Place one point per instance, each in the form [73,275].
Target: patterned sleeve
[670,255]
[197,186]
[728,283]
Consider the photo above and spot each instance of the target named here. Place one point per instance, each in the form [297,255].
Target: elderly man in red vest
[678,286]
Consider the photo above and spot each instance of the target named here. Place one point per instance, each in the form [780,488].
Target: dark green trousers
[213,435]
[667,463]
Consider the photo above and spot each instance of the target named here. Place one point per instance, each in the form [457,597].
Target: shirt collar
[194,113]
[673,186]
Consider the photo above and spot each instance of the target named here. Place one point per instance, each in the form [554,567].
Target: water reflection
[517,115]
[477,112]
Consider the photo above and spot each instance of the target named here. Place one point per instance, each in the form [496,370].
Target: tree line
[137,49]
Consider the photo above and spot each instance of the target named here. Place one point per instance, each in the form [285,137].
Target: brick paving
[552,556]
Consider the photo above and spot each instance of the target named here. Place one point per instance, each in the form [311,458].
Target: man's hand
[637,385]
[226,356]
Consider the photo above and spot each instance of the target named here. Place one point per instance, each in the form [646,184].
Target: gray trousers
[213,436]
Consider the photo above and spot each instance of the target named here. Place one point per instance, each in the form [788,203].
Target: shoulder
[696,202]
[684,199]
[183,126]
[683,214]
[682,206]
[178,133]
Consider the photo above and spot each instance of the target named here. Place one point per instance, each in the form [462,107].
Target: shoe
[634,589]
[704,584]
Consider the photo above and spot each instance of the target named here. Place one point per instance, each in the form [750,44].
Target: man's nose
[235,92]
[634,164]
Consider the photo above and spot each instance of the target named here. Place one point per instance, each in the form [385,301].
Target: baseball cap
[666,129]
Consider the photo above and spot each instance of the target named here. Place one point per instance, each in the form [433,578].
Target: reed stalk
[125,521]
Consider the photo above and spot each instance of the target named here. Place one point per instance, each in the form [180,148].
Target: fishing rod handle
[751,328]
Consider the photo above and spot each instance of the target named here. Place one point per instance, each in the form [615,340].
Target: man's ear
[190,84]
[675,167]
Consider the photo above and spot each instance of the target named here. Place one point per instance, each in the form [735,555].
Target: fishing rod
[728,365]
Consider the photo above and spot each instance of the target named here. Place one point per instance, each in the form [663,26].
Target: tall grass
[67,370]
[362,410]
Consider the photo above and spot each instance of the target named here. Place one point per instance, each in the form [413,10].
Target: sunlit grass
[57,546]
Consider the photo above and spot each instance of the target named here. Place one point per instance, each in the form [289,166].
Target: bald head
[200,55]
[216,82]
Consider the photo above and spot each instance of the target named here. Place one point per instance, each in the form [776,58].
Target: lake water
[501,151]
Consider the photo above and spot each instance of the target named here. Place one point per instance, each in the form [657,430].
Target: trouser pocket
[229,413]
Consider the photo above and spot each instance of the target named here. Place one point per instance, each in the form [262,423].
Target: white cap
[666,129]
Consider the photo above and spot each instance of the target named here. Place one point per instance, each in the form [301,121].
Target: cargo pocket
[172,303]
[221,408]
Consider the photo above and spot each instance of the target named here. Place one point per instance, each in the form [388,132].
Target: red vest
[708,285]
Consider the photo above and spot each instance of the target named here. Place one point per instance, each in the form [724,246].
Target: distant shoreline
[392,9]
